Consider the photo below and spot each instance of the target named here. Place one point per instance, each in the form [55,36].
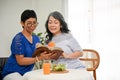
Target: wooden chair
[91,59]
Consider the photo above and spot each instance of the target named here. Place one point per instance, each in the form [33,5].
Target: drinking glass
[46,66]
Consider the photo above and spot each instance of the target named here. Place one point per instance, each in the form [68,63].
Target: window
[98,22]
[80,21]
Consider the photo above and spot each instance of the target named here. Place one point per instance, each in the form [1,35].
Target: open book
[55,50]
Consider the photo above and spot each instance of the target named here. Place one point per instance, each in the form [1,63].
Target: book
[56,51]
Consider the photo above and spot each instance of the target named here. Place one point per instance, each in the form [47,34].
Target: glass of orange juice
[46,66]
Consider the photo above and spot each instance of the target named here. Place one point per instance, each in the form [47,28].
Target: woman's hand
[38,45]
[44,55]
[56,54]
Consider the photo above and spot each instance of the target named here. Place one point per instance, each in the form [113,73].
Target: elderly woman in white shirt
[58,32]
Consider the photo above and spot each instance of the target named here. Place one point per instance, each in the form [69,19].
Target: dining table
[69,74]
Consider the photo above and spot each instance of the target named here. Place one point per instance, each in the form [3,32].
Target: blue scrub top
[20,46]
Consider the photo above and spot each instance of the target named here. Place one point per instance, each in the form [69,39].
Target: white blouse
[69,45]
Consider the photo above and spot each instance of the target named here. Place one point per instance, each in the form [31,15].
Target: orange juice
[46,68]
[51,44]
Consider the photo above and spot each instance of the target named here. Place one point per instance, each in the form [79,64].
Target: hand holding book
[55,52]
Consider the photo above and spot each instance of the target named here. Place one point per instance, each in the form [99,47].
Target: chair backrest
[91,59]
[2,63]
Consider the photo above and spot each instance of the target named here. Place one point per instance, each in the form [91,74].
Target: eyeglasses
[32,24]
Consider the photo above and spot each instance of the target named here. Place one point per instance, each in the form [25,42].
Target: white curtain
[95,24]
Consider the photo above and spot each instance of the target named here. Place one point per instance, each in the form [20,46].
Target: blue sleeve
[17,46]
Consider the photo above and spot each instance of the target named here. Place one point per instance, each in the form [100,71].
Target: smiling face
[54,25]
[29,25]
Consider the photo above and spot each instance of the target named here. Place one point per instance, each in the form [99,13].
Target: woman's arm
[73,55]
[21,60]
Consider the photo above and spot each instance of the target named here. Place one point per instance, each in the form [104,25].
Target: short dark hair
[64,28]
[28,14]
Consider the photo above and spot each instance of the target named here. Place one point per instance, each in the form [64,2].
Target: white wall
[10,12]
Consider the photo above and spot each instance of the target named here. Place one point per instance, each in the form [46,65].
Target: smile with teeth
[53,28]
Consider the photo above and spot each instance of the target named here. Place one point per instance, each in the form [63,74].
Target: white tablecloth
[73,74]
